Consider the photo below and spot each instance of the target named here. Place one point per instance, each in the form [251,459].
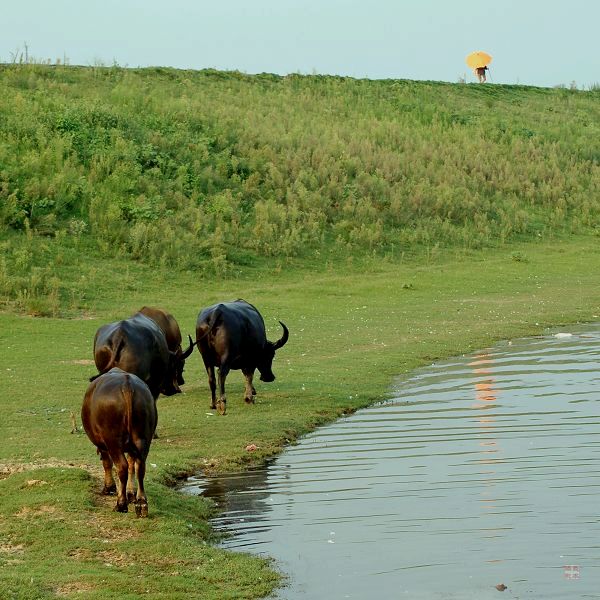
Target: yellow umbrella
[478,59]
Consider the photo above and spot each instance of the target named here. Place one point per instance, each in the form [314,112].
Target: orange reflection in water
[485,398]
[485,393]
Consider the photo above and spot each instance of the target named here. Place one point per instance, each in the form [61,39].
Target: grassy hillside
[216,172]
[387,223]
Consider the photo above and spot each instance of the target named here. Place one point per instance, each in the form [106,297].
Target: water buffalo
[170,328]
[138,345]
[119,416]
[231,335]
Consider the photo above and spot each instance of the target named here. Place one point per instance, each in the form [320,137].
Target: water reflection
[243,497]
[485,398]
[483,470]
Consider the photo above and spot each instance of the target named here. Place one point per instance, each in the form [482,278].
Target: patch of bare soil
[11,553]
[113,558]
[36,482]
[73,588]
[104,531]
[7,469]
[81,361]
[11,549]
[81,554]
[45,510]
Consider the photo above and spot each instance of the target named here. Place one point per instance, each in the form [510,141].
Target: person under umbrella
[480,72]
[479,61]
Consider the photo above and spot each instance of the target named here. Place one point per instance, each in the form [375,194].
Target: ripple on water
[481,470]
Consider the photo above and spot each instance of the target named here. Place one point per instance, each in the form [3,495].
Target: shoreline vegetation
[388,224]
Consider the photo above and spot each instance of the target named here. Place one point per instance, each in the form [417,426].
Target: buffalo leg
[130,479]
[122,472]
[250,392]
[141,502]
[221,406]
[109,488]
[213,386]
[155,394]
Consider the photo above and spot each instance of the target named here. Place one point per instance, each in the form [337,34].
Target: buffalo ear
[283,339]
[185,354]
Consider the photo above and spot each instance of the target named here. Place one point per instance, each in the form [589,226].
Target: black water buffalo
[231,335]
[138,345]
[119,416]
[170,328]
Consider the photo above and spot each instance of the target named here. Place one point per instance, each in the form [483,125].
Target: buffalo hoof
[109,490]
[130,497]
[141,509]
[121,507]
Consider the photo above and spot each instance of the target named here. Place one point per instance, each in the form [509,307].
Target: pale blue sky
[537,42]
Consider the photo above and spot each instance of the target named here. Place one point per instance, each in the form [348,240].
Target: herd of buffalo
[141,357]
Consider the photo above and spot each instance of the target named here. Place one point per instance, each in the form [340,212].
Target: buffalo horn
[284,338]
[185,354]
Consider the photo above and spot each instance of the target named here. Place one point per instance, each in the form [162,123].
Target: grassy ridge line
[352,331]
[216,171]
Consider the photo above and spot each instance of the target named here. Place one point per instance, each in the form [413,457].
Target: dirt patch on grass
[43,510]
[114,558]
[74,587]
[11,549]
[82,361]
[104,530]
[81,554]
[35,482]
[7,469]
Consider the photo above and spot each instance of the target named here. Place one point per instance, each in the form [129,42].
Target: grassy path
[352,331]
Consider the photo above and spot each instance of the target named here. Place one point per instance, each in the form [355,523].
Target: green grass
[216,172]
[61,539]
[387,223]
[353,329]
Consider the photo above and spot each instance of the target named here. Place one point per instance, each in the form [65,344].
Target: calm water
[482,470]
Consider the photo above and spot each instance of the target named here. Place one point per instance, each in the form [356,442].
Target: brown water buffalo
[170,328]
[119,416]
[231,335]
[138,345]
